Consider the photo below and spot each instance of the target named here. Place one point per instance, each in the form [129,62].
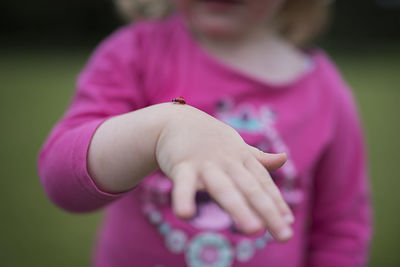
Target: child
[249,88]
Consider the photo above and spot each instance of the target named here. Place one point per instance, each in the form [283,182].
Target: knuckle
[270,186]
[178,196]
[266,184]
[275,222]
[222,190]
[235,203]
[274,194]
[267,209]
[180,192]
[253,191]
[231,164]
[178,169]
[272,219]
[260,154]
[248,160]
[207,165]
[268,180]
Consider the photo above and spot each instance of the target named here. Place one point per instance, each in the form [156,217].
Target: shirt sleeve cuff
[80,156]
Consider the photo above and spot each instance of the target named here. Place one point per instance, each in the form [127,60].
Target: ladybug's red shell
[179,100]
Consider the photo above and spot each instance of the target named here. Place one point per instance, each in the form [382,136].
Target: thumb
[270,161]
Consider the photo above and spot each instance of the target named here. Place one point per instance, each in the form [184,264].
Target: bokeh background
[43,46]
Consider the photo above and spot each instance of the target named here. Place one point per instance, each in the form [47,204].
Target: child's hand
[198,152]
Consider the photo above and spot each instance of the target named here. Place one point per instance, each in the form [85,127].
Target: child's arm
[341,221]
[108,86]
[195,150]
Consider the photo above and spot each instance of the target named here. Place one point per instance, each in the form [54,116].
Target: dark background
[77,22]
[43,46]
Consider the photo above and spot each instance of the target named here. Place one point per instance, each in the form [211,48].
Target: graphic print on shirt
[210,241]
[257,127]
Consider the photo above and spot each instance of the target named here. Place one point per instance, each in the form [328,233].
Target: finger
[229,198]
[264,178]
[184,190]
[270,161]
[261,202]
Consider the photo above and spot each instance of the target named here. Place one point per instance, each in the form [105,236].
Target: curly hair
[299,21]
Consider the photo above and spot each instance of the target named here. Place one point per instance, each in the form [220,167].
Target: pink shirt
[312,119]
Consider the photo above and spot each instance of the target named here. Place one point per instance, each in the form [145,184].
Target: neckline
[312,62]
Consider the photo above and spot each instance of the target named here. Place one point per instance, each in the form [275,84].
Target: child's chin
[219,29]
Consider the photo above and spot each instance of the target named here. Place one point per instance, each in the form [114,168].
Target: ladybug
[179,100]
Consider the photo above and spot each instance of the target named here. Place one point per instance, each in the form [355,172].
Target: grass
[375,78]
[36,86]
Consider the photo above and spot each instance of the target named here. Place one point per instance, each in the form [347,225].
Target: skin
[228,22]
[195,150]
[244,37]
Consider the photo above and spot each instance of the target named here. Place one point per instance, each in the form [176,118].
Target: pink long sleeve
[109,85]
[341,216]
[313,119]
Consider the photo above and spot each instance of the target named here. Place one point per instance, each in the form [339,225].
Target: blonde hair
[299,21]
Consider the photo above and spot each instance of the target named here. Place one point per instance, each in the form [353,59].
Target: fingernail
[288,218]
[285,234]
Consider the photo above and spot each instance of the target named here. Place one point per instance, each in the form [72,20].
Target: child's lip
[221,5]
[223,2]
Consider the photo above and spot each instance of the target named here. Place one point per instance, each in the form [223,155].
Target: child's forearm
[122,151]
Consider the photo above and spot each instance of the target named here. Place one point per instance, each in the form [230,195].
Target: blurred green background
[38,67]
